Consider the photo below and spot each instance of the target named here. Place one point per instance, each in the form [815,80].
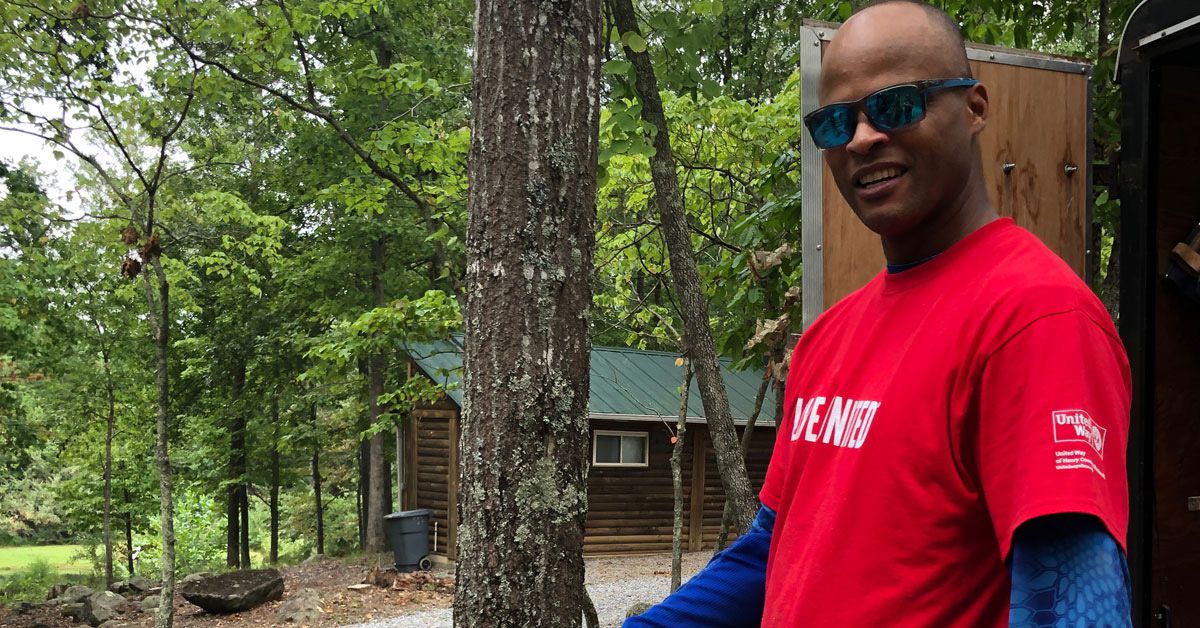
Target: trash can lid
[404,514]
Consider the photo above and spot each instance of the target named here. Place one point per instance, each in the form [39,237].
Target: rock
[140,584]
[315,558]
[638,609]
[303,607]
[150,603]
[136,584]
[74,594]
[193,577]
[112,623]
[102,607]
[359,587]
[235,591]
[74,610]
[20,608]
[57,590]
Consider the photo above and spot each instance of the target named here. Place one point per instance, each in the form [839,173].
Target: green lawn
[15,558]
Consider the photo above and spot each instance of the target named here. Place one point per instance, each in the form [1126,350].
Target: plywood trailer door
[1036,160]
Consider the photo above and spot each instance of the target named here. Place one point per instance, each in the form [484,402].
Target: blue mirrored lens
[831,126]
[895,108]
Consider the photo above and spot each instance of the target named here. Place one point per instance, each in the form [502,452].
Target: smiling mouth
[879,177]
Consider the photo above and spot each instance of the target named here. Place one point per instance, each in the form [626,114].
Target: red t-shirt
[926,417]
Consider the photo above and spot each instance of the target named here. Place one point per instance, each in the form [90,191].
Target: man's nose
[866,137]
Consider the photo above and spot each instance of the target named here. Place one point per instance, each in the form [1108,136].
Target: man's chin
[886,220]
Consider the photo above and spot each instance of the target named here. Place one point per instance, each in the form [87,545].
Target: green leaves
[634,42]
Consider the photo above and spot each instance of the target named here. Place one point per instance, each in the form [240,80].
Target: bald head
[940,18]
[895,37]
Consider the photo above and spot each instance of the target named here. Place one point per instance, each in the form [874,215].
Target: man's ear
[977,107]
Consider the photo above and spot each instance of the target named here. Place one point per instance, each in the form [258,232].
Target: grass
[63,558]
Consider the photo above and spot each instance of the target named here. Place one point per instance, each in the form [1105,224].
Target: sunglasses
[889,109]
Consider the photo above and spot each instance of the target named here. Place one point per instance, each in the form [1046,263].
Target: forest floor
[410,594]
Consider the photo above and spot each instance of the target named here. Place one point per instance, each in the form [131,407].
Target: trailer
[1158,69]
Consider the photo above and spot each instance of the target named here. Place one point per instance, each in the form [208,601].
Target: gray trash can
[408,532]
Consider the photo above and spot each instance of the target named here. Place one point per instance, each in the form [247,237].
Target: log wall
[630,509]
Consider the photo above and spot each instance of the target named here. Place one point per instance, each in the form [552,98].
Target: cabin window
[620,449]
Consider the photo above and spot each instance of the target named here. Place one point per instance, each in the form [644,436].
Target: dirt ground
[341,605]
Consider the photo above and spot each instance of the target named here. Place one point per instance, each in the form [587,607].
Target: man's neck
[974,212]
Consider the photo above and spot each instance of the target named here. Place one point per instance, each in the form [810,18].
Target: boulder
[57,590]
[74,610]
[135,585]
[140,584]
[150,603]
[302,607]
[20,608]
[74,594]
[638,609]
[235,591]
[193,577]
[102,607]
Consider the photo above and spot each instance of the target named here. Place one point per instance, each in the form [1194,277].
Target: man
[953,440]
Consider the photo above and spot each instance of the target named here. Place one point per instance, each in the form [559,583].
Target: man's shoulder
[1029,282]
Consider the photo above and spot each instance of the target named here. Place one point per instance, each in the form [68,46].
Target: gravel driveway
[615,584]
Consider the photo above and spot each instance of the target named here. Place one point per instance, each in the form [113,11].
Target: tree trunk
[232,527]
[530,245]
[160,321]
[237,468]
[692,302]
[108,439]
[244,507]
[273,556]
[376,502]
[128,529]
[591,618]
[677,480]
[378,477]
[743,448]
[364,462]
[316,478]
[400,465]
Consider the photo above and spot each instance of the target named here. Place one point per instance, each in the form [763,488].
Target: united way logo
[1076,426]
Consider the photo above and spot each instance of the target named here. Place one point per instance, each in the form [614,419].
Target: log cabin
[633,409]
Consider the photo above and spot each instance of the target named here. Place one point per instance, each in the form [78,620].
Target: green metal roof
[627,384]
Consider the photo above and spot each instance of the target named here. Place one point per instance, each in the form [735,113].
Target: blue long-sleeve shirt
[1066,570]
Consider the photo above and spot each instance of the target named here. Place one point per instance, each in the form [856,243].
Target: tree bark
[316,479]
[378,477]
[110,422]
[530,245]
[160,322]
[686,279]
[273,556]
[237,468]
[232,527]
[376,500]
[743,448]
[128,528]
[364,463]
[244,507]
[677,480]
